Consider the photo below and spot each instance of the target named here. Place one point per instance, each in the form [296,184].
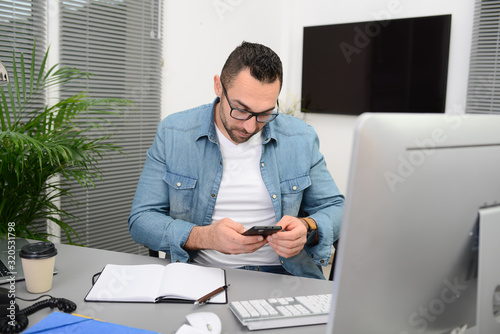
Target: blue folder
[58,322]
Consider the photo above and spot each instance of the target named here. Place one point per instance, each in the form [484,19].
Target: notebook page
[137,283]
[190,282]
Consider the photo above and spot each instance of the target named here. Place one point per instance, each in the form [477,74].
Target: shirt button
[274,196]
[321,261]
[262,164]
[179,184]
[213,195]
[294,187]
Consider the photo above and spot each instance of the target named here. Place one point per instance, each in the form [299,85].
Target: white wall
[200,34]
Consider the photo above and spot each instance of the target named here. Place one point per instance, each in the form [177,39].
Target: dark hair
[264,64]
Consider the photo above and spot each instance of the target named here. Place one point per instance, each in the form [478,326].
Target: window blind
[484,72]
[119,42]
[20,23]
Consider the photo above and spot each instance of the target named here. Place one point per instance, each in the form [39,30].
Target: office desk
[77,265]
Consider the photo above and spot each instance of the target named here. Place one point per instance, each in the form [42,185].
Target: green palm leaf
[37,144]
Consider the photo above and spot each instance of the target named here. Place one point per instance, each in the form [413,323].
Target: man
[216,170]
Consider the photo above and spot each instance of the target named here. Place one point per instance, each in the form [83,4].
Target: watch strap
[311,223]
[313,228]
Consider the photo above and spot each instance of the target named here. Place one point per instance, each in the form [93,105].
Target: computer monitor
[408,248]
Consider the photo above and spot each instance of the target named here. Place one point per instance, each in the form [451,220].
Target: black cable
[14,326]
[20,323]
[34,299]
[62,304]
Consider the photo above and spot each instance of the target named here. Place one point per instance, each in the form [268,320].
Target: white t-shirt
[244,198]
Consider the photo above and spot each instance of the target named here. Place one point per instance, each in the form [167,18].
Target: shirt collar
[207,128]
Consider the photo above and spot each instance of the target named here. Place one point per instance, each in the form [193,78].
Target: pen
[207,297]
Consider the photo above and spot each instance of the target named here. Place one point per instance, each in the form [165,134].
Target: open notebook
[153,283]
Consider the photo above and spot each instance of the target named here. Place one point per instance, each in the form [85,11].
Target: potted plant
[291,105]
[42,147]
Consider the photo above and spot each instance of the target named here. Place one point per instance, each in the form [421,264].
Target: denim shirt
[181,178]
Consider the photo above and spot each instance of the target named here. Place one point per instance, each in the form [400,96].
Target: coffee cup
[38,261]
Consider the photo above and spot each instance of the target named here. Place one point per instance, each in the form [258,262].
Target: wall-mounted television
[398,65]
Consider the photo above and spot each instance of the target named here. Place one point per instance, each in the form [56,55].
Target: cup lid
[38,250]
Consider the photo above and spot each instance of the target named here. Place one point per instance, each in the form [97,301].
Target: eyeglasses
[245,115]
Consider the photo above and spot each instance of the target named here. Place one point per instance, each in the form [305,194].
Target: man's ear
[217,86]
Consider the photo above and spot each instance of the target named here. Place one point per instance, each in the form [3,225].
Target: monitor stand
[489,270]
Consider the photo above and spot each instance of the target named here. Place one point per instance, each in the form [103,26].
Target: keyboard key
[302,309]
[283,301]
[258,307]
[283,310]
[253,312]
[271,310]
[240,309]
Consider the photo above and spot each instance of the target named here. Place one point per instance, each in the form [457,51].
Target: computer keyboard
[282,312]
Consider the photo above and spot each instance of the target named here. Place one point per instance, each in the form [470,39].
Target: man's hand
[290,241]
[224,236]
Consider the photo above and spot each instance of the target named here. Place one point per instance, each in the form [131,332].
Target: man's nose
[250,125]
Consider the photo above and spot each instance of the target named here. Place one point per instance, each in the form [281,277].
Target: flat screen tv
[398,65]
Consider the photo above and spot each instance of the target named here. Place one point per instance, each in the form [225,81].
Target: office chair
[332,270]
[153,253]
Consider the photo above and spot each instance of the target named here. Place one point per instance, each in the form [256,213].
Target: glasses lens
[240,114]
[243,115]
[265,118]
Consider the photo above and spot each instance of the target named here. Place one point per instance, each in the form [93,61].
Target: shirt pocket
[181,192]
[292,191]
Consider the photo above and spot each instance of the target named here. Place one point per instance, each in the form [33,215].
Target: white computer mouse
[208,322]
[186,329]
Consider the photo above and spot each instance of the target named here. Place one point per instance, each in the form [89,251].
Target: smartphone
[262,230]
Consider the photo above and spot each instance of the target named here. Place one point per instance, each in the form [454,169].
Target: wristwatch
[312,228]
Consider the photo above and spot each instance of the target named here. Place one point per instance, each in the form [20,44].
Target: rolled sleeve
[324,203]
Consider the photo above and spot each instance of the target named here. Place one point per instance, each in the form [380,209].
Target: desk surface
[77,265]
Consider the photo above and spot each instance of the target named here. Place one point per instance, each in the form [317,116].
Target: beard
[233,131]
